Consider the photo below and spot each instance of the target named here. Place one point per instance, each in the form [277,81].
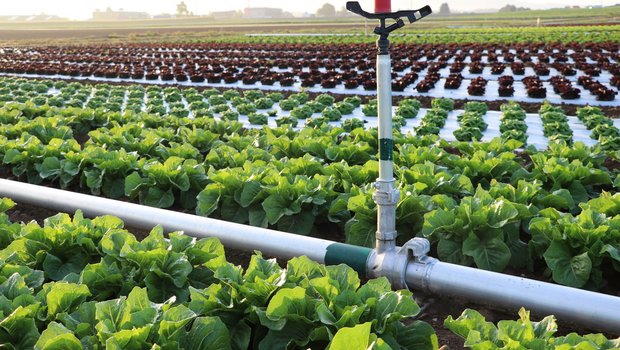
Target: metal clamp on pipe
[393,263]
[386,197]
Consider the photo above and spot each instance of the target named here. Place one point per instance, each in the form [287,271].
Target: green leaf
[12,156]
[301,224]
[173,324]
[374,288]
[519,256]
[352,338]
[293,333]
[94,178]
[471,321]
[208,333]
[65,297]
[579,192]
[240,336]
[19,330]
[500,213]
[129,339]
[232,211]
[291,303]
[489,254]
[229,273]
[417,336]
[275,207]
[207,251]
[451,251]
[6,204]
[249,193]
[394,306]
[303,268]
[436,220]
[262,268]
[159,198]
[208,199]
[569,270]
[104,280]
[57,269]
[113,188]
[57,337]
[50,168]
[325,288]
[346,277]
[361,232]
[560,199]
[257,217]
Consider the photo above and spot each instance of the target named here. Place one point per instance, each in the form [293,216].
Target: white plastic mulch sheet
[492,118]
[491,93]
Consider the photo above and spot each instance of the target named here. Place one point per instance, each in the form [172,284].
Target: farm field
[506,156]
[484,72]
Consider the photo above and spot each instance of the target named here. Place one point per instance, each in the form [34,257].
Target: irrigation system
[408,266]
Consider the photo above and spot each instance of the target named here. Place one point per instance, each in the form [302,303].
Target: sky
[82,9]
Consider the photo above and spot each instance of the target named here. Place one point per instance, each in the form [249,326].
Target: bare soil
[106,33]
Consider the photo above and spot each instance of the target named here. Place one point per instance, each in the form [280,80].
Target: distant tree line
[328,10]
[444,9]
[513,8]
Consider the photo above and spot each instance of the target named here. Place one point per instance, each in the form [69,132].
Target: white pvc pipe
[232,235]
[386,197]
[384,109]
[597,311]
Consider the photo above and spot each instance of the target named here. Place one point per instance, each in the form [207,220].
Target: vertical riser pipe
[385,196]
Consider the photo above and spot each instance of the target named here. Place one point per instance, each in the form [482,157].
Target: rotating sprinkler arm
[383,13]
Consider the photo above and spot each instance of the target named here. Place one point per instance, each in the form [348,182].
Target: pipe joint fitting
[393,263]
[386,236]
[386,196]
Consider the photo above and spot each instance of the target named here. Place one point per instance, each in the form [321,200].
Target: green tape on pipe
[354,256]
[386,149]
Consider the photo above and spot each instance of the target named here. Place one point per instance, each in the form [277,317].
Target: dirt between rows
[82,33]
[435,309]
[569,109]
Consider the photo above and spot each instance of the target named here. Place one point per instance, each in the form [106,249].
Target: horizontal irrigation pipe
[597,311]
[232,235]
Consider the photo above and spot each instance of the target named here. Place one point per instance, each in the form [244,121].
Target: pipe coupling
[393,263]
[386,194]
[387,236]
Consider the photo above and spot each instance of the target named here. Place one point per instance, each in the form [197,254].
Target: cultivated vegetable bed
[497,205]
[255,108]
[522,72]
[76,283]
[300,180]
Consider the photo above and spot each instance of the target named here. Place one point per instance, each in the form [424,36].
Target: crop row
[295,180]
[574,35]
[255,108]
[76,283]
[347,67]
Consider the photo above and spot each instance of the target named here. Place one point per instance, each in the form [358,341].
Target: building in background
[111,15]
[264,12]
